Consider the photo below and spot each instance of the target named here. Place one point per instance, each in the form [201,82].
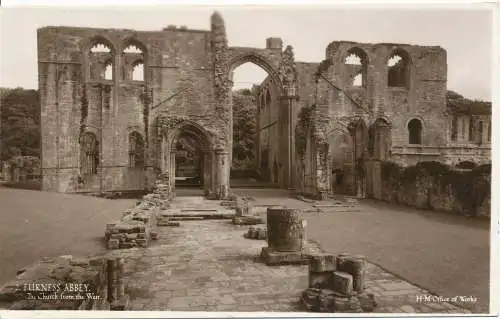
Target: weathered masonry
[116,102]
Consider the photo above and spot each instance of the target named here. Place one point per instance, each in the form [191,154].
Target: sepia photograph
[296,159]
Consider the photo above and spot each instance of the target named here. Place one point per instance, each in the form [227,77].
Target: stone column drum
[284,229]
[285,234]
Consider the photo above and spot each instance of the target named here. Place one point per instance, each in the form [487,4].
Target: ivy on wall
[84,108]
[301,130]
[469,187]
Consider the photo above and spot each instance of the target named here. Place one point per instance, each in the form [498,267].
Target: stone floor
[209,266]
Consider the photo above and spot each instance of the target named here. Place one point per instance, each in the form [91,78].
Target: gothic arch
[260,61]
[361,68]
[139,59]
[192,128]
[399,76]
[170,134]
[96,39]
[96,71]
[133,40]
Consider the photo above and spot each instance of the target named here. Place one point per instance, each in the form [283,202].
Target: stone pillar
[287,138]
[171,171]
[285,237]
[120,270]
[223,167]
[112,281]
[116,288]
[284,229]
[207,171]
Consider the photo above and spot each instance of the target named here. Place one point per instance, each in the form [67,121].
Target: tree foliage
[462,105]
[20,129]
[244,125]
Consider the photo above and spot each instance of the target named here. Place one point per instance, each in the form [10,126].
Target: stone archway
[340,155]
[173,134]
[282,78]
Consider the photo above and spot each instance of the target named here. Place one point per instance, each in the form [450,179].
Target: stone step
[198,210]
[198,216]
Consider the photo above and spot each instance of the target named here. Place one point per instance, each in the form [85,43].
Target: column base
[276,258]
[120,305]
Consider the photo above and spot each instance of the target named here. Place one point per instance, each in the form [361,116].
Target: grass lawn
[36,224]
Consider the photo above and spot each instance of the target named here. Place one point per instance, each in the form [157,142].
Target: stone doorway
[187,156]
[188,161]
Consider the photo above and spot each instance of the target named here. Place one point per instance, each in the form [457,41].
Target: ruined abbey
[321,127]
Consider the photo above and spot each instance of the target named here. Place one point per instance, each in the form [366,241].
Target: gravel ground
[446,254]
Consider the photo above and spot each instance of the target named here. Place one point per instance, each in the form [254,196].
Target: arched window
[89,154]
[357,80]
[133,62]
[356,60]
[107,72]
[101,61]
[136,150]
[415,131]
[138,71]
[398,69]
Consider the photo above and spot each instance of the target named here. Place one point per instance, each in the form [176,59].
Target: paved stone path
[209,266]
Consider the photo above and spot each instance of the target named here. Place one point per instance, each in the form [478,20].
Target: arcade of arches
[146,107]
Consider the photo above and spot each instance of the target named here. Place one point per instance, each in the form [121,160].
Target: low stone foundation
[247,220]
[256,233]
[67,283]
[135,228]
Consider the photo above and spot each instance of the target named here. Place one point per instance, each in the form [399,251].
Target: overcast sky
[465,34]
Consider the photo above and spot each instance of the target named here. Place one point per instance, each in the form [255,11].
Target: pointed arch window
[89,154]
[398,69]
[101,61]
[136,150]
[357,61]
[133,62]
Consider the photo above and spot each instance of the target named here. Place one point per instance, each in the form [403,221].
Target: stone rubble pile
[247,220]
[163,190]
[67,283]
[243,207]
[337,284]
[136,228]
[256,233]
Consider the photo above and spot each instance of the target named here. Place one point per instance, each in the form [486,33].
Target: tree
[20,129]
[244,127]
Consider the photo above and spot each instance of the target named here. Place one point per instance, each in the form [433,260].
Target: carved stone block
[343,283]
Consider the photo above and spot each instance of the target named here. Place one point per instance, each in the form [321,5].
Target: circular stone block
[285,229]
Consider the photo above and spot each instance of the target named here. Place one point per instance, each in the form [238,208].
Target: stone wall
[433,185]
[186,89]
